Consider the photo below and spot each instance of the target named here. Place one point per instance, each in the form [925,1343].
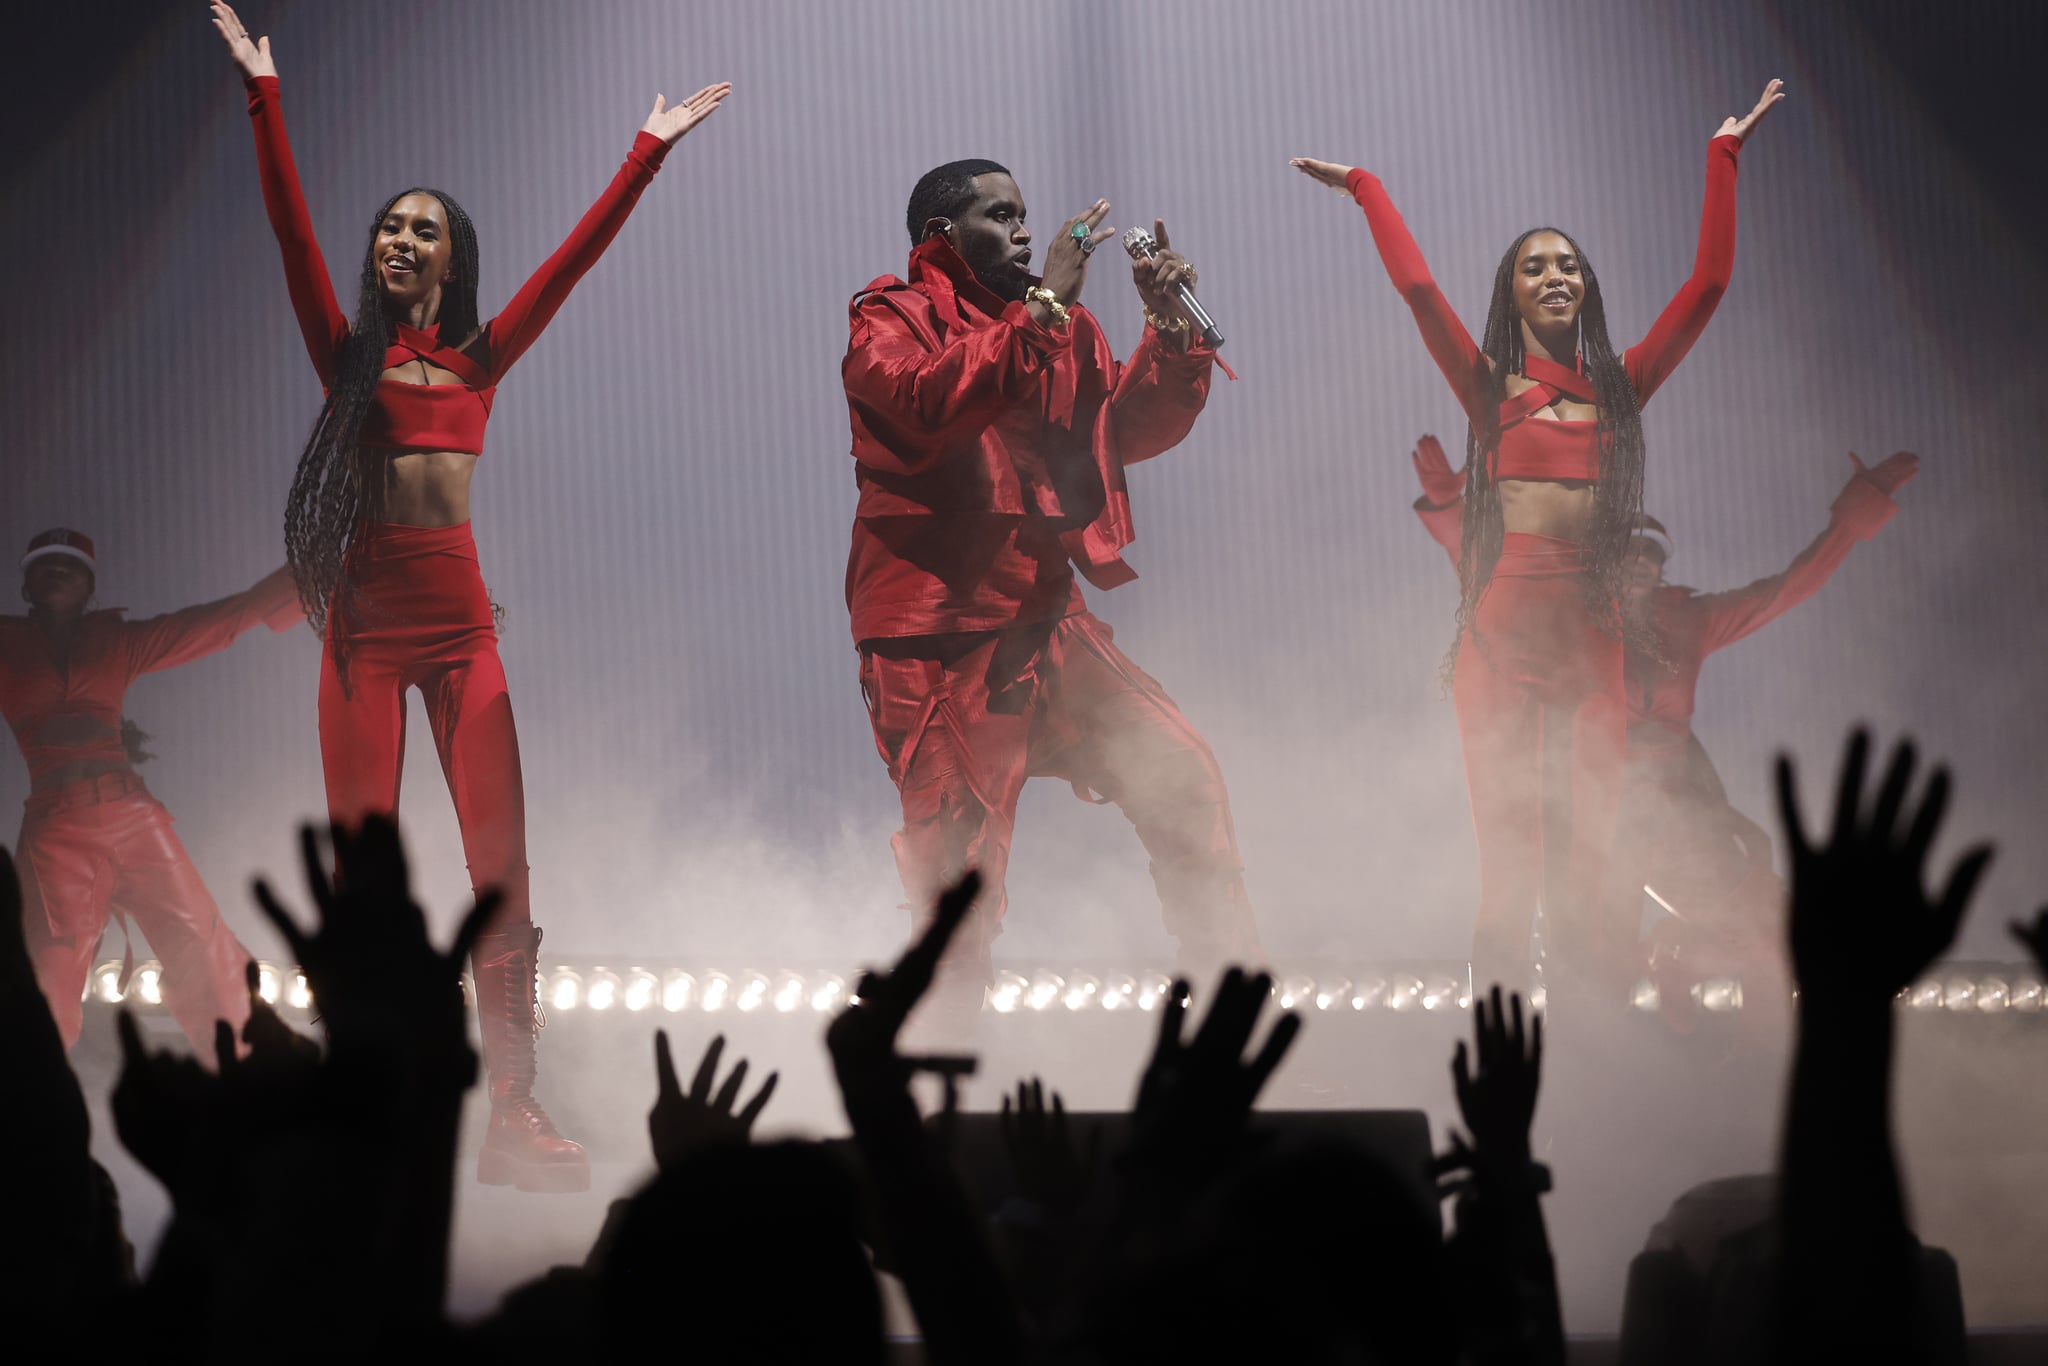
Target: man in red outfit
[991,428]
[93,840]
[1679,837]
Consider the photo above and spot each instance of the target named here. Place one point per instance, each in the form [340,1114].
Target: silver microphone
[1142,247]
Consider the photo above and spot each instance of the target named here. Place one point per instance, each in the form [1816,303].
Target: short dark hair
[944,191]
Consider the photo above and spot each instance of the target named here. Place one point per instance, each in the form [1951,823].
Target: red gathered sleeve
[1651,360]
[929,403]
[180,637]
[321,321]
[1858,513]
[1159,394]
[1445,525]
[1450,345]
[519,324]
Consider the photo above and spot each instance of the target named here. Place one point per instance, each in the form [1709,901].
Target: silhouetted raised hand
[682,1124]
[1498,1100]
[1053,1171]
[2035,937]
[1862,924]
[862,1037]
[1507,1281]
[379,982]
[939,1247]
[1197,1092]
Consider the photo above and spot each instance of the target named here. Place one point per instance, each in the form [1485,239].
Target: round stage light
[1720,994]
[1119,992]
[1293,991]
[753,990]
[149,983]
[1007,992]
[716,993]
[1924,995]
[788,994]
[1369,994]
[1992,994]
[1645,996]
[1438,992]
[2025,994]
[1404,993]
[828,993]
[269,982]
[1332,993]
[602,991]
[643,989]
[298,993]
[1153,988]
[1045,989]
[1081,992]
[565,989]
[1959,993]
[678,990]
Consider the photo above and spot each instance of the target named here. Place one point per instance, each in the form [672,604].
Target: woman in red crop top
[1553,481]
[377,531]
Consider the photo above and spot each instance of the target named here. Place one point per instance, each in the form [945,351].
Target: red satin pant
[1542,716]
[105,845]
[416,615]
[963,720]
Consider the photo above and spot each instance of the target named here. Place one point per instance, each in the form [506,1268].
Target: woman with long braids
[377,531]
[1553,482]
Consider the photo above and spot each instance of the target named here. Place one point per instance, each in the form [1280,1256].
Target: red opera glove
[1441,485]
[1890,474]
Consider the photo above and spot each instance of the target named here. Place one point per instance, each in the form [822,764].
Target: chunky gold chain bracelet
[1169,325]
[1041,295]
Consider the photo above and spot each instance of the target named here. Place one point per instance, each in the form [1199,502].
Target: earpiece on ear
[943,227]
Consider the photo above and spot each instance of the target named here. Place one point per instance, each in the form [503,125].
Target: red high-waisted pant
[102,845]
[963,720]
[1543,719]
[416,615]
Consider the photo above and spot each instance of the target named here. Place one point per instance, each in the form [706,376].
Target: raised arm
[1450,345]
[1441,507]
[1859,512]
[924,403]
[180,637]
[1163,387]
[1651,360]
[521,321]
[321,322]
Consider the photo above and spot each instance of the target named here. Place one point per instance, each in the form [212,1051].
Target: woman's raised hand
[252,55]
[1327,172]
[1740,128]
[670,121]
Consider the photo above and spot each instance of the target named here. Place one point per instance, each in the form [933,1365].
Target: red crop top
[429,417]
[1540,448]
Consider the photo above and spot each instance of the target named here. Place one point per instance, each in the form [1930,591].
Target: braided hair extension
[338,485]
[1617,494]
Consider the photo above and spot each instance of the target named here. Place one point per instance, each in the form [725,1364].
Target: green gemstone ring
[1079,232]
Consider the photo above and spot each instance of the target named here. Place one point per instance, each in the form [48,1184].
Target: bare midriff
[425,488]
[1548,507]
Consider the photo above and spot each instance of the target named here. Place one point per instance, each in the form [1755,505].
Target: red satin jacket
[69,711]
[989,451]
[1693,624]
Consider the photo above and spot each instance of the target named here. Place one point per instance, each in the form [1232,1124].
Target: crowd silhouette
[1181,1240]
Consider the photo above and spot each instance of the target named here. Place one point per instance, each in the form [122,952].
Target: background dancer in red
[991,427]
[93,840]
[1554,461]
[379,538]
[1678,834]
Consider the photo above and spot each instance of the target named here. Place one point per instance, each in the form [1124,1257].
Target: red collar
[941,273]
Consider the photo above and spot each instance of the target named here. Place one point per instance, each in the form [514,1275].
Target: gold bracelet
[1039,294]
[1168,326]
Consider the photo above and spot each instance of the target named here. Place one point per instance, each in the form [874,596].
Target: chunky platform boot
[521,1148]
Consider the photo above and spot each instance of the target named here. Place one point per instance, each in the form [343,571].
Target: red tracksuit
[415,612]
[104,844]
[989,455]
[1677,833]
[1534,658]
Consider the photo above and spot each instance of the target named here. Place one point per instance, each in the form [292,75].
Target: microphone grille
[1139,243]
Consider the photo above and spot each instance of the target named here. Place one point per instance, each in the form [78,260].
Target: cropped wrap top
[429,417]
